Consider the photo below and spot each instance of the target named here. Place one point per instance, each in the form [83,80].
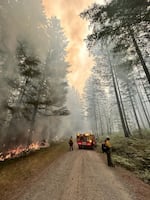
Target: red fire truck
[86,140]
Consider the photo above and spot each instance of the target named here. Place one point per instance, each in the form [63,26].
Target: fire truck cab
[86,140]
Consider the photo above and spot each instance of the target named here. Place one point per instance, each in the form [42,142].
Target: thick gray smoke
[32,72]
[23,20]
[76,121]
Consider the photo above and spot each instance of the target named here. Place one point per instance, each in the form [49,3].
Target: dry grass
[15,173]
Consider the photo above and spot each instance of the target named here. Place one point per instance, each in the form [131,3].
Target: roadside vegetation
[133,153]
[20,171]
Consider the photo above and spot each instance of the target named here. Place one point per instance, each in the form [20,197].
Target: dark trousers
[109,160]
[71,148]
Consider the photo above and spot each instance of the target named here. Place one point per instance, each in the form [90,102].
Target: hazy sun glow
[76,30]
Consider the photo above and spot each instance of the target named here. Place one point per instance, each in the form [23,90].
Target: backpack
[70,142]
[104,147]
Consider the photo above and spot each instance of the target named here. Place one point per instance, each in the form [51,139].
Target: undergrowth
[133,153]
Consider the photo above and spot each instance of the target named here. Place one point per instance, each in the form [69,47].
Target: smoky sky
[76,29]
[20,20]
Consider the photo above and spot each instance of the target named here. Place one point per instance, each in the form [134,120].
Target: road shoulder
[140,189]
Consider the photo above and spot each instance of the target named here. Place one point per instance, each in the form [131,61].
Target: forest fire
[22,150]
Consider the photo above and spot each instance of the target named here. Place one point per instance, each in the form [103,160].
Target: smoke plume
[76,30]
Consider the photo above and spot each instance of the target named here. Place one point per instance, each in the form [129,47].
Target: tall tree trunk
[100,118]
[12,123]
[121,102]
[144,87]
[32,124]
[96,128]
[146,92]
[126,133]
[110,125]
[107,123]
[95,116]
[147,118]
[134,111]
[23,90]
[117,98]
[139,112]
[34,113]
[138,51]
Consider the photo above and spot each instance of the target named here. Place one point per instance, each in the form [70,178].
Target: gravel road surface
[77,175]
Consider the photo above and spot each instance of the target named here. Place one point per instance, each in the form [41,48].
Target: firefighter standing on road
[108,151]
[71,143]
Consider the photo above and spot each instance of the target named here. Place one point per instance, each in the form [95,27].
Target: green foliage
[144,175]
[133,153]
[124,162]
[115,19]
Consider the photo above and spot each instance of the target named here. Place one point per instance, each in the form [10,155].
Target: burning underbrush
[22,150]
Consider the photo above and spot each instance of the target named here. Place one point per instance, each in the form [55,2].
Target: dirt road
[78,175]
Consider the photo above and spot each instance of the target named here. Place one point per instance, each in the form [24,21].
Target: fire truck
[86,140]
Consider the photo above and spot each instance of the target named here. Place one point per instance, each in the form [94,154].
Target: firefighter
[108,151]
[71,143]
[104,148]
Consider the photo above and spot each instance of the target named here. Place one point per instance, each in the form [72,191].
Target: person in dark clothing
[108,152]
[71,144]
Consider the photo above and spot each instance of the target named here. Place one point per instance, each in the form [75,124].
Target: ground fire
[22,150]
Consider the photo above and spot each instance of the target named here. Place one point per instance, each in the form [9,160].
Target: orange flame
[20,150]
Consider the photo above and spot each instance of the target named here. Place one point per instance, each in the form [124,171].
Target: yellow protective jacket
[108,144]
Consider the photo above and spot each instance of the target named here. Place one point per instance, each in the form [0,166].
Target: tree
[120,21]
[33,71]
